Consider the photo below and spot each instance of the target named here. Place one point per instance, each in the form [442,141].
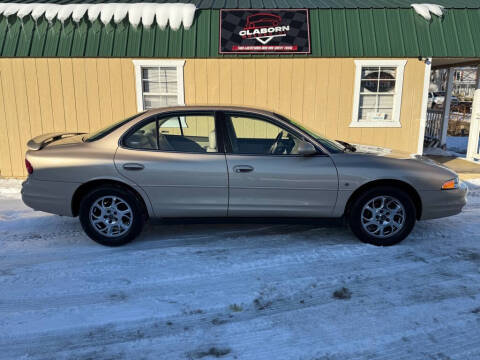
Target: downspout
[423,113]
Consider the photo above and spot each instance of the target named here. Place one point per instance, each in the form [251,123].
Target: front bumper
[442,203]
[53,197]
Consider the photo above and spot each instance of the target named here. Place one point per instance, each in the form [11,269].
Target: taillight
[28,166]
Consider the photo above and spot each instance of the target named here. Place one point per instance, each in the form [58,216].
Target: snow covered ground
[237,291]
[457,144]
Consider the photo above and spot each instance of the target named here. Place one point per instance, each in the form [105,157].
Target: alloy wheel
[383,216]
[111,216]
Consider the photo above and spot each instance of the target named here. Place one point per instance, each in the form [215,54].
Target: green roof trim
[371,32]
[279,4]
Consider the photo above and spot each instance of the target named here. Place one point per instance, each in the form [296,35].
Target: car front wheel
[382,216]
[111,216]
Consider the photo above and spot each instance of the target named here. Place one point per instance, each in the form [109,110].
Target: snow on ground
[237,291]
[457,144]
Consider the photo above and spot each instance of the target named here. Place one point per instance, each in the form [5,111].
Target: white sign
[377,116]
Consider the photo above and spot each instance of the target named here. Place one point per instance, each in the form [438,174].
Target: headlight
[450,184]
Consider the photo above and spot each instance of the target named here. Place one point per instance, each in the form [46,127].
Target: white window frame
[139,64]
[397,99]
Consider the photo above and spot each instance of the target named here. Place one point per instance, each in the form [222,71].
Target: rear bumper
[49,196]
[442,203]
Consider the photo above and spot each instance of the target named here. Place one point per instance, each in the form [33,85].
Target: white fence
[433,127]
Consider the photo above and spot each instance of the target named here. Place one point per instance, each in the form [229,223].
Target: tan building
[347,73]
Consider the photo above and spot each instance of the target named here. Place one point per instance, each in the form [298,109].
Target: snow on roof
[426,10]
[173,14]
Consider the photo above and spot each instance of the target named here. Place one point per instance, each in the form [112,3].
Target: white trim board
[423,114]
[179,64]
[397,101]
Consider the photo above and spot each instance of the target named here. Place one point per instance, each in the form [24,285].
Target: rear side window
[143,138]
[179,133]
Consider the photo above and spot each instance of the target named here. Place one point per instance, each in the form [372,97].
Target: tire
[126,203]
[370,231]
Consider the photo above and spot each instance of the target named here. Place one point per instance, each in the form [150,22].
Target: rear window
[97,135]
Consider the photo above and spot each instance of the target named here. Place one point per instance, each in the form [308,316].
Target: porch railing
[433,128]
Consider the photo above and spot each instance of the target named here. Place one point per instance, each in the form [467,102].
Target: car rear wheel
[111,216]
[382,216]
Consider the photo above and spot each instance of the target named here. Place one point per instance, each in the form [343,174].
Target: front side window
[179,133]
[331,145]
[252,136]
[378,93]
[159,83]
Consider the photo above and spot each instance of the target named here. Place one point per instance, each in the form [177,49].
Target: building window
[159,83]
[378,93]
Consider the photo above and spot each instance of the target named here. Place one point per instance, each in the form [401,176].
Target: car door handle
[243,168]
[133,167]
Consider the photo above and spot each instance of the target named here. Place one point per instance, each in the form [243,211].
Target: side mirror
[305,148]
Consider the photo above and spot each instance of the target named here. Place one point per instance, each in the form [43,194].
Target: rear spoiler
[41,141]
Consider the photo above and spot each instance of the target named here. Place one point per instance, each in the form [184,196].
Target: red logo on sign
[262,20]
[263,27]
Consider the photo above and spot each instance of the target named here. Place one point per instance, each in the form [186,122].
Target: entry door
[177,162]
[269,178]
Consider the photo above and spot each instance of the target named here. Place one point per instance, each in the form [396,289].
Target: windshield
[97,135]
[331,145]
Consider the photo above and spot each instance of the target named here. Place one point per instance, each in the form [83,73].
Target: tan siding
[33,97]
[225,83]
[129,92]
[321,95]
[237,81]
[48,95]
[21,104]
[5,156]
[68,88]
[213,82]
[273,86]
[201,82]
[189,86]
[116,89]
[44,95]
[56,94]
[333,98]
[43,81]
[297,83]
[80,86]
[309,96]
[93,100]
[249,82]
[104,92]
[286,67]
